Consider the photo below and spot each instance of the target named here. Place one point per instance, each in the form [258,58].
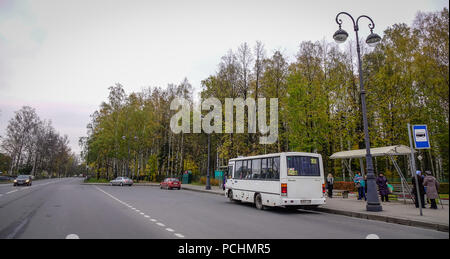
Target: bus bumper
[302,202]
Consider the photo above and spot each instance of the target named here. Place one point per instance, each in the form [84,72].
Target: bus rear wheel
[258,202]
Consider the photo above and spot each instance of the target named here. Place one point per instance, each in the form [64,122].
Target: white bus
[291,180]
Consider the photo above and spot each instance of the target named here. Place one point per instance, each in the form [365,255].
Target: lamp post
[373,201]
[208,182]
[208,178]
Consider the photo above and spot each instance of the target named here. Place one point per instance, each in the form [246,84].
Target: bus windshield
[302,166]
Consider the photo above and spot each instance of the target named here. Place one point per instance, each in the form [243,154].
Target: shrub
[95,180]
[349,186]
[212,181]
[443,188]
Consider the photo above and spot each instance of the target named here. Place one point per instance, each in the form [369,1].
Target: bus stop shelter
[389,151]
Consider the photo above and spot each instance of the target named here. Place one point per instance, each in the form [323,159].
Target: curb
[400,221]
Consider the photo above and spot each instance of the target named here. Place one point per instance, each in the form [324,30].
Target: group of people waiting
[427,185]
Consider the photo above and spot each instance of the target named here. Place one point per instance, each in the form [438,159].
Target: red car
[170,183]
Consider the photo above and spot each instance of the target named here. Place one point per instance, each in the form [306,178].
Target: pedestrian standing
[359,183]
[382,187]
[330,183]
[421,190]
[224,180]
[432,188]
[363,188]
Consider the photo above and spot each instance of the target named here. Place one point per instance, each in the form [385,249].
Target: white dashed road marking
[29,187]
[72,236]
[372,236]
[141,213]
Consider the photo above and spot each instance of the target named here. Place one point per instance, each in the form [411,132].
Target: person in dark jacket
[225,177]
[330,183]
[432,188]
[421,190]
[382,187]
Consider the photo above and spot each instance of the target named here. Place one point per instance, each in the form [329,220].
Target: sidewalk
[393,212]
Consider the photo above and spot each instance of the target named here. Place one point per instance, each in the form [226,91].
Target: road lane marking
[372,236]
[141,213]
[17,188]
[72,236]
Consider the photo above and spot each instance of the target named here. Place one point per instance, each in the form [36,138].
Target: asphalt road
[63,208]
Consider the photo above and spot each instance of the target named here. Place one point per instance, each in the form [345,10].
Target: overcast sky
[60,56]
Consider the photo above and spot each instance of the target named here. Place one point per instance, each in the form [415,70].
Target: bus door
[229,176]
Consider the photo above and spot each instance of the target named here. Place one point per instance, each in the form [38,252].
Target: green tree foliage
[406,79]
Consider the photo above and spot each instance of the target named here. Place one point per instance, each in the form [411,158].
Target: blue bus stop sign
[421,138]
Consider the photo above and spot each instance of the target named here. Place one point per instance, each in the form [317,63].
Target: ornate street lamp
[373,201]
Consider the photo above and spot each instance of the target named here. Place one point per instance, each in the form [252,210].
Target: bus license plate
[305,201]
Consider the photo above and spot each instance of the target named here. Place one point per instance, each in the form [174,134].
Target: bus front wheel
[230,196]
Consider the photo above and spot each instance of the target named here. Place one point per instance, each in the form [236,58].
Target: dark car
[23,180]
[170,183]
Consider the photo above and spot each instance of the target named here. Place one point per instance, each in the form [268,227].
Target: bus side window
[263,168]
[248,172]
[244,169]
[269,169]
[256,169]
[276,168]
[238,170]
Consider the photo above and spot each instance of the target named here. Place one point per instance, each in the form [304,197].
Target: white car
[122,181]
